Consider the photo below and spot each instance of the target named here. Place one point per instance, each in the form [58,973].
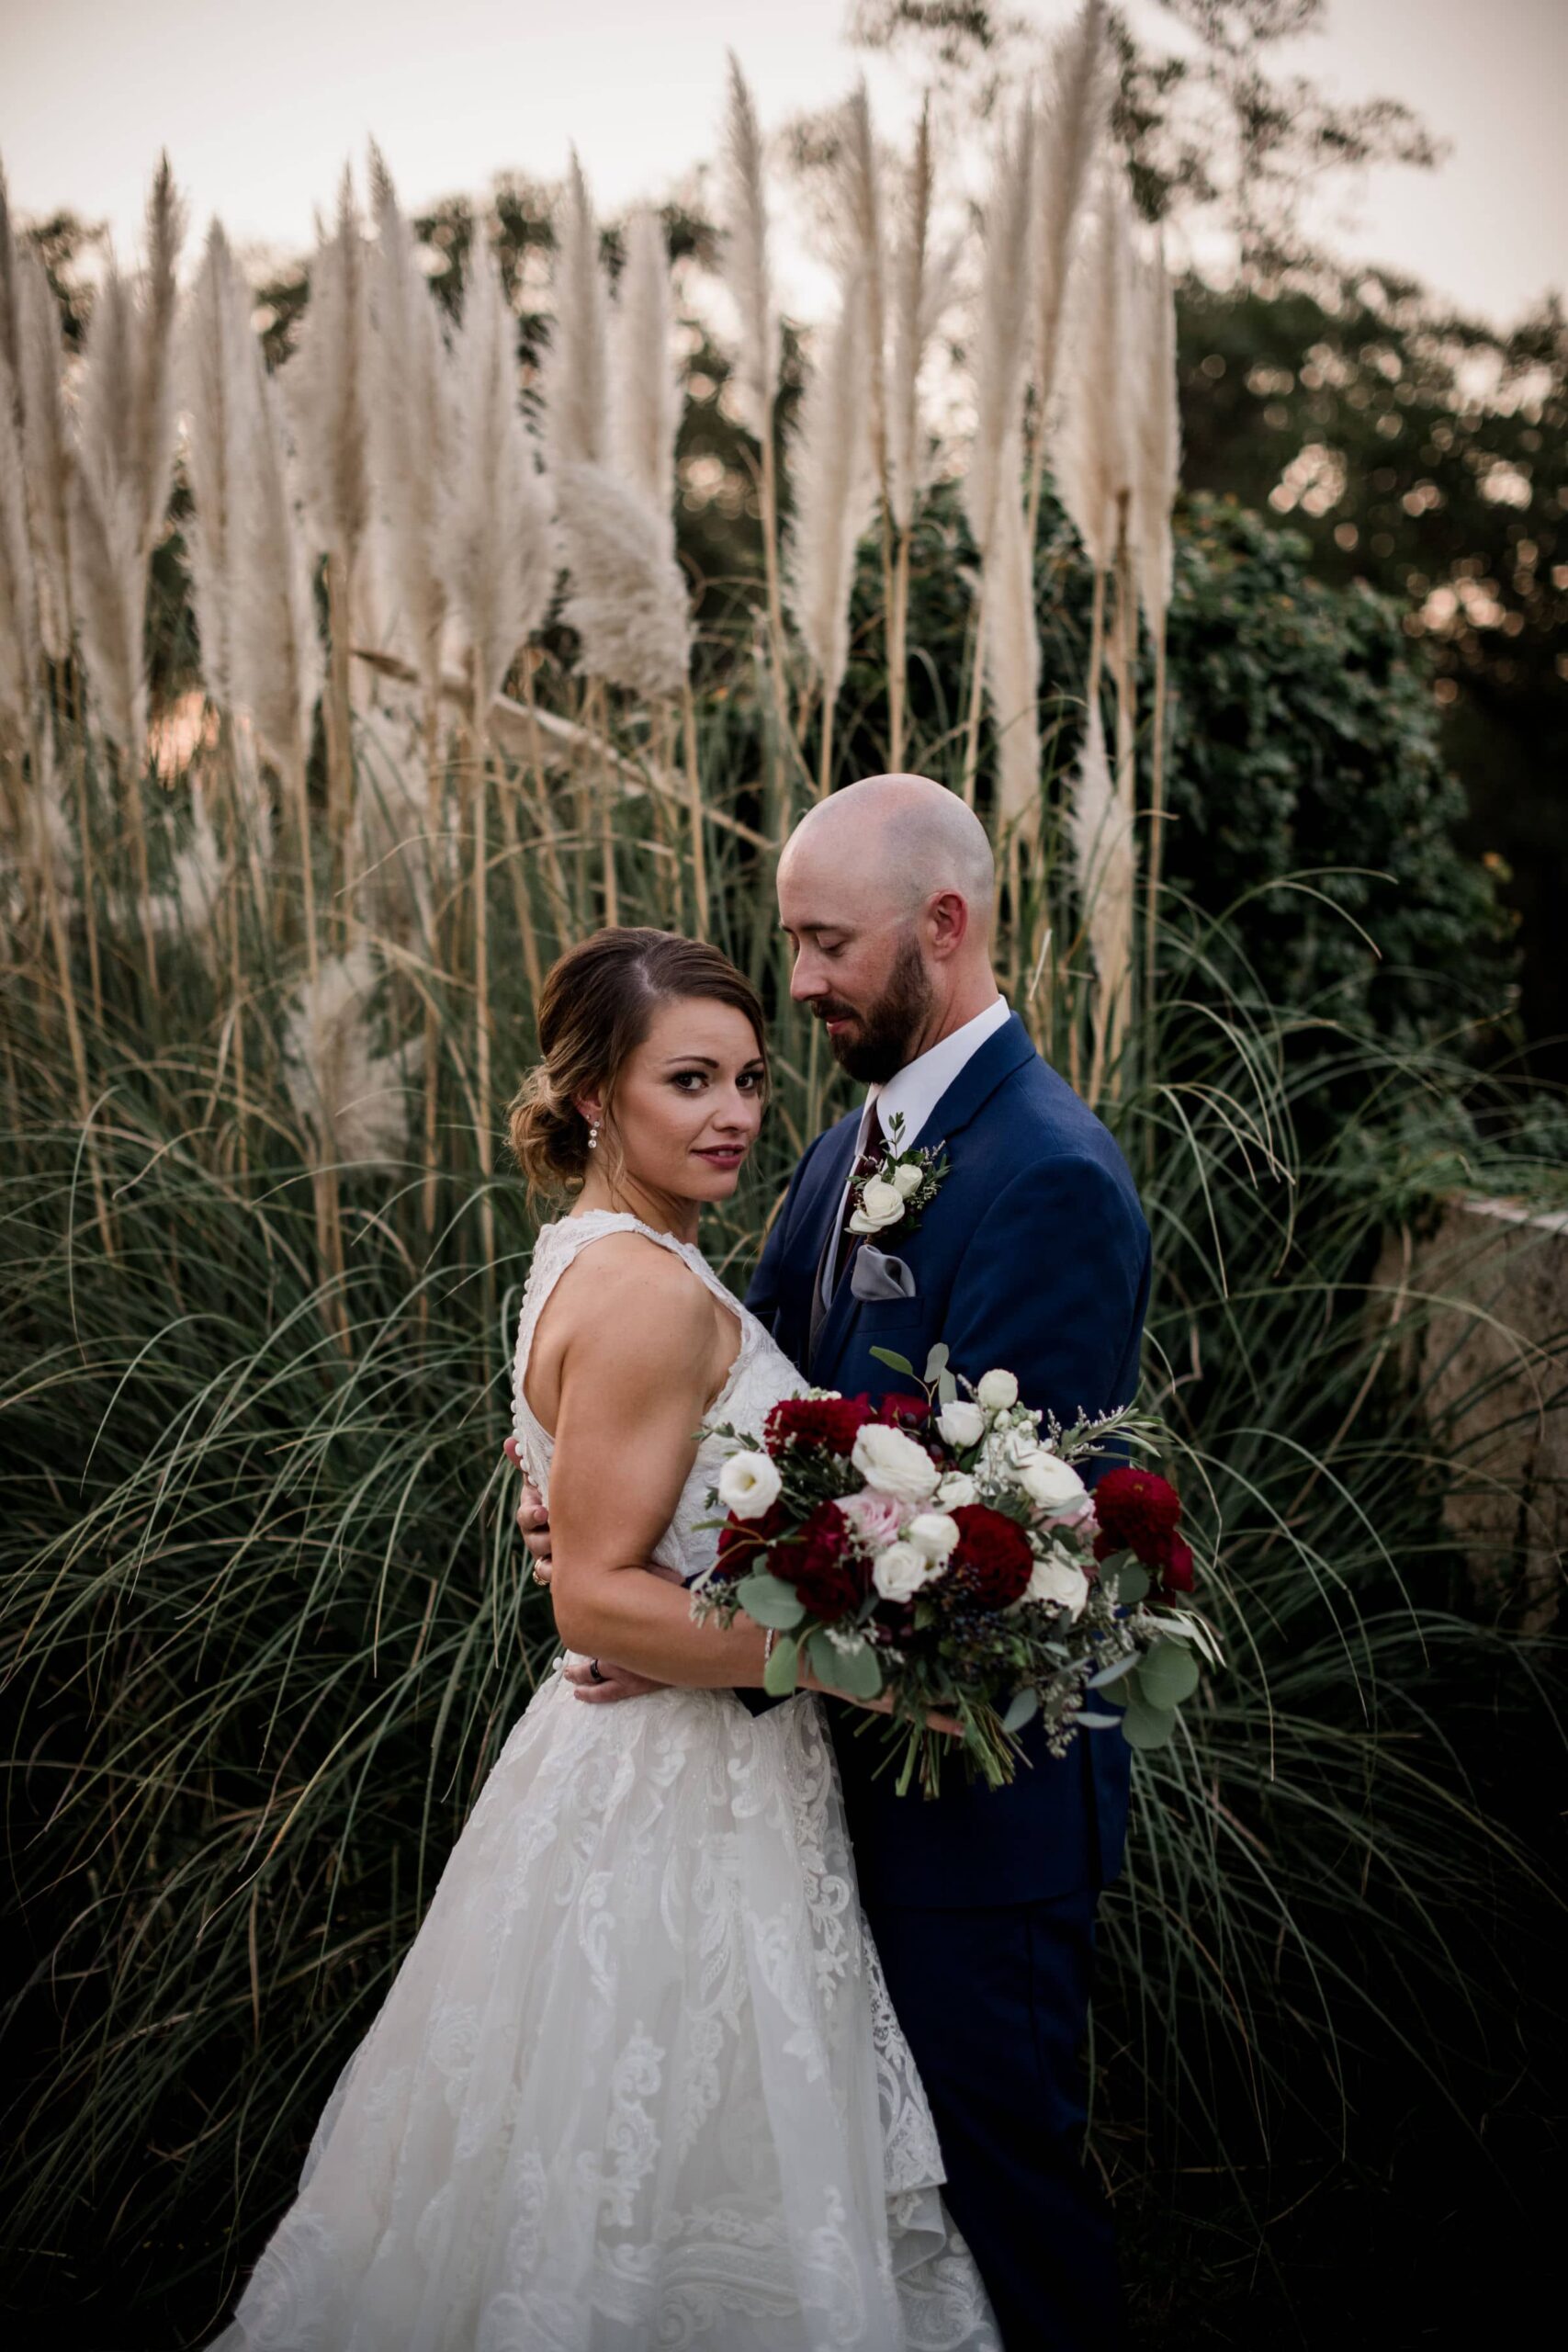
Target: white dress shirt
[914,1092]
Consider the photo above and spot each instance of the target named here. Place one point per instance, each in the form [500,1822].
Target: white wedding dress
[638,2082]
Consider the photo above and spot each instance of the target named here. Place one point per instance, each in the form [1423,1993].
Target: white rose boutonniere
[894,1186]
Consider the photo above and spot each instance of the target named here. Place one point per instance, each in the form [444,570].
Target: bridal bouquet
[944,1549]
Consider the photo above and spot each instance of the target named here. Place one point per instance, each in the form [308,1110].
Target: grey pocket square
[873,1274]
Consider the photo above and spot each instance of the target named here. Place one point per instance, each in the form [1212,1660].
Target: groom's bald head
[886,890]
[902,838]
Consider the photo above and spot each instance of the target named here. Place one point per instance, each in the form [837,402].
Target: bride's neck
[672,1213]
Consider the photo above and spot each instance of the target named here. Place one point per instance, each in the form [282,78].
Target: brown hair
[595,1009]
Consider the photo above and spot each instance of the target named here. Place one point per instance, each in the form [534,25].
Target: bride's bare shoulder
[627,1287]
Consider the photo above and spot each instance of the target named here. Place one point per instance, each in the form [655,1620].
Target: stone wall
[1478,1309]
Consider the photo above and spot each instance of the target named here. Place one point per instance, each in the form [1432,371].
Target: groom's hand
[614,1681]
[533,1520]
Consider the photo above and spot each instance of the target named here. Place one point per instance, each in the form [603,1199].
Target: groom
[1034,1255]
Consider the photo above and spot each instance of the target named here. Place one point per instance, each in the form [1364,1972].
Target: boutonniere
[896,1185]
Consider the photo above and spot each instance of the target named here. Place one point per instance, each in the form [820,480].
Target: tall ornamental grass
[275,948]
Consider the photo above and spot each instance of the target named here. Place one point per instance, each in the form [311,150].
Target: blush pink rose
[874,1518]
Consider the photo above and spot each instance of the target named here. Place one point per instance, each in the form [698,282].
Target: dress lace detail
[638,2081]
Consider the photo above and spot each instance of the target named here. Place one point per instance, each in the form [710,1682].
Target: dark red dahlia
[1135,1511]
[992,1555]
[743,1542]
[821,1562]
[911,1413]
[833,1422]
[1175,1570]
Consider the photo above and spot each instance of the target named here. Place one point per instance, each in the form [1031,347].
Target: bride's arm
[633,1383]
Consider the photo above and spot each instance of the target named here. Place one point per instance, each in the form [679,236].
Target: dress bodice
[761,1374]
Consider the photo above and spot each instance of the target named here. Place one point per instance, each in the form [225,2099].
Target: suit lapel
[1001,1054]
[836,1158]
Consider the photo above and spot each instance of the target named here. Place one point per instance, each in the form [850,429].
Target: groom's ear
[947,921]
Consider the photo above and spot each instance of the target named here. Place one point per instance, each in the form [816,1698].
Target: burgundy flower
[823,1564]
[992,1556]
[743,1542]
[1175,1569]
[1135,1511]
[911,1413]
[833,1422]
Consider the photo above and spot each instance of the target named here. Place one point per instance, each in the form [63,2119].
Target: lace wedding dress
[638,2082]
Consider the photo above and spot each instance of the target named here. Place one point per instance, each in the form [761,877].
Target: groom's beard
[884,1035]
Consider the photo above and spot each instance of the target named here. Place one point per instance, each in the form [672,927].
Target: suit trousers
[994,2005]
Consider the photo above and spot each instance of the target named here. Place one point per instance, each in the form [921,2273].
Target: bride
[638,2082]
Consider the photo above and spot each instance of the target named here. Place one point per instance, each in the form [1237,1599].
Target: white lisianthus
[749,1485]
[961,1423]
[1060,1582]
[1052,1483]
[881,1205]
[907,1178]
[956,1491]
[933,1534]
[892,1462]
[997,1391]
[899,1571]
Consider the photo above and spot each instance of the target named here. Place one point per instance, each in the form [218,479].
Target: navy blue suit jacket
[1034,1256]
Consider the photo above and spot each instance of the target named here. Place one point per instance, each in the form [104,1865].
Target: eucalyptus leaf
[1167,1675]
[1022,1708]
[1087,1722]
[895,1362]
[855,1672]
[1132,1583]
[1109,1674]
[946,1387]
[1147,1726]
[935,1362]
[768,1601]
[782,1666]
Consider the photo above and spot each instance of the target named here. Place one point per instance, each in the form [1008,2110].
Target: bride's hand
[881,1705]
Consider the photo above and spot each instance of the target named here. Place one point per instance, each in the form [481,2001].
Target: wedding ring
[593,1673]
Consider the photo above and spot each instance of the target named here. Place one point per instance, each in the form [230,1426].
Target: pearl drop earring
[593,1135]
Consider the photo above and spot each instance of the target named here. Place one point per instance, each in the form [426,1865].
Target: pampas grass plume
[326,385]
[1002,328]
[1072,120]
[46,441]
[1159,434]
[412,433]
[1012,652]
[746,266]
[275,652]
[19,605]
[352,1101]
[498,551]
[218,398]
[577,368]
[1092,445]
[834,493]
[628,602]
[646,402]
[1099,830]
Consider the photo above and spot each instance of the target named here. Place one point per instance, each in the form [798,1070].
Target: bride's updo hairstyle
[595,1009]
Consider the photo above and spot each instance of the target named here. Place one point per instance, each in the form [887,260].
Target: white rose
[1052,1483]
[997,1391]
[893,1463]
[1060,1580]
[899,1572]
[907,1178]
[933,1534]
[961,1423]
[956,1490]
[749,1485]
[880,1204]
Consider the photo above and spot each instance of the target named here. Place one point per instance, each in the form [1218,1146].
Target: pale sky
[260,103]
